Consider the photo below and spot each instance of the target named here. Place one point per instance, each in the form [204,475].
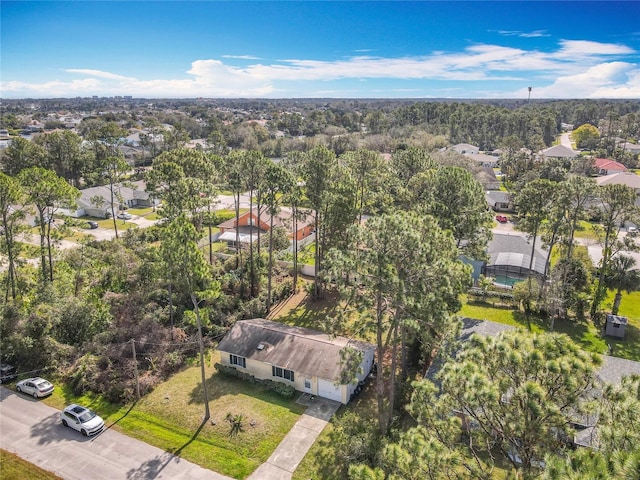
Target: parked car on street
[501,218]
[124,216]
[81,419]
[7,373]
[632,231]
[37,386]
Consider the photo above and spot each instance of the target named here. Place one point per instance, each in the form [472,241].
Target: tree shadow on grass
[311,313]
[153,468]
[220,385]
[627,347]
[123,415]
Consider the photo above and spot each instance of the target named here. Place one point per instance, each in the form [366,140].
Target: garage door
[328,390]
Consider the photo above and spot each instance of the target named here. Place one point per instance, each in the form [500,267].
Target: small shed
[616,326]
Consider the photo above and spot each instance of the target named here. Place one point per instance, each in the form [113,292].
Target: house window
[616,325]
[282,373]
[236,360]
[307,383]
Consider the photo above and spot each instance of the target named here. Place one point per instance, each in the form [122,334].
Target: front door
[307,385]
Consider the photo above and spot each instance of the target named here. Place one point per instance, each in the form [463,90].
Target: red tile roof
[606,164]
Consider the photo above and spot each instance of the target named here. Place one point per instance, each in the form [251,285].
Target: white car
[38,387]
[124,216]
[81,419]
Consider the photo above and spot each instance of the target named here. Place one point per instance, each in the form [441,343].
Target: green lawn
[170,417]
[306,256]
[585,333]
[13,467]
[585,231]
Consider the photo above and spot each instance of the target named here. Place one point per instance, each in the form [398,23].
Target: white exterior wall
[263,371]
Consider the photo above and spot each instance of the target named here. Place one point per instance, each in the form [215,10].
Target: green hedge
[483,295]
[283,389]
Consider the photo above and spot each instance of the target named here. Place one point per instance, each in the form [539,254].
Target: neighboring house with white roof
[629,179]
[483,160]
[131,197]
[308,360]
[466,148]
[632,148]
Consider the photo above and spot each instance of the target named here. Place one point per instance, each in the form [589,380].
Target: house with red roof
[248,225]
[604,166]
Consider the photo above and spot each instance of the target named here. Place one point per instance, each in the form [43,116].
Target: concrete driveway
[33,431]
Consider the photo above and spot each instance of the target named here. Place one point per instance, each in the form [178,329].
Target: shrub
[280,388]
[483,295]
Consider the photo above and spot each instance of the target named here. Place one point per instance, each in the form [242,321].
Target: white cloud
[517,33]
[97,73]
[576,69]
[606,80]
[242,57]
[585,48]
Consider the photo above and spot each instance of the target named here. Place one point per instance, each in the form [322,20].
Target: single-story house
[483,160]
[605,166]
[131,197]
[248,226]
[465,148]
[559,151]
[487,178]
[307,359]
[632,148]
[499,201]
[509,258]
[629,179]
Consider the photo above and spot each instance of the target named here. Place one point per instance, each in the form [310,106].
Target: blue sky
[180,49]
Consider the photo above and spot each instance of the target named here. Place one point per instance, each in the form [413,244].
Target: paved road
[566,140]
[33,431]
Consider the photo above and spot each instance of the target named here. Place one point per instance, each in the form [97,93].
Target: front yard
[171,416]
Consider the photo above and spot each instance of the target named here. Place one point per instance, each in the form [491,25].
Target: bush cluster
[481,295]
[280,388]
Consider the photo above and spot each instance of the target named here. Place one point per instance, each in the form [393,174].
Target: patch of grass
[584,333]
[28,250]
[306,256]
[585,230]
[142,212]
[171,416]
[308,312]
[629,347]
[505,314]
[12,467]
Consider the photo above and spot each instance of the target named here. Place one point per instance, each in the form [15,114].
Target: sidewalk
[295,445]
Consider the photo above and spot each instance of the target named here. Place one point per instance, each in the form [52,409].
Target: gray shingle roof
[494,197]
[308,352]
[559,151]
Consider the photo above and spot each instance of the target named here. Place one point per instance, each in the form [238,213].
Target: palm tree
[622,276]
